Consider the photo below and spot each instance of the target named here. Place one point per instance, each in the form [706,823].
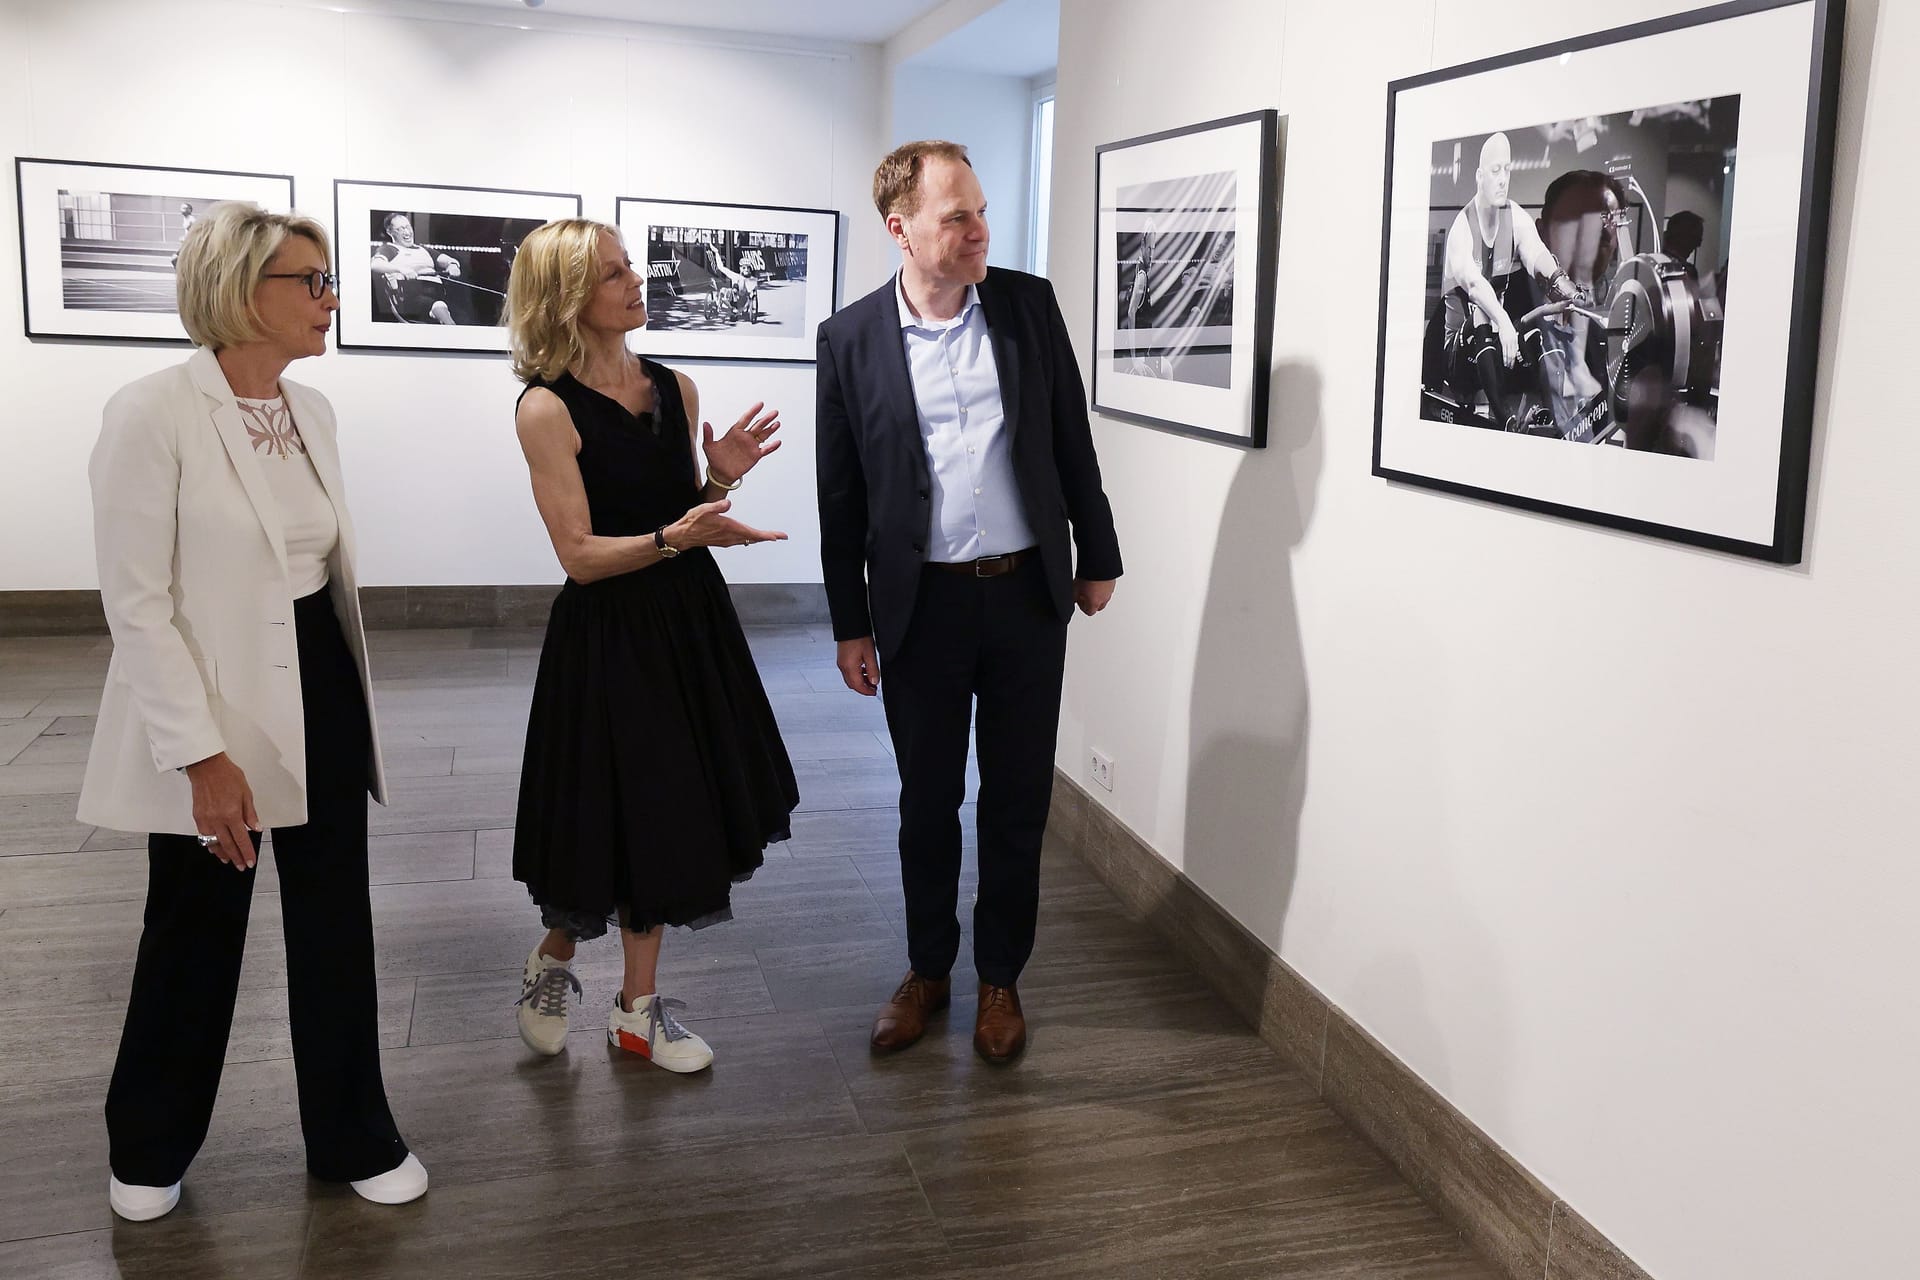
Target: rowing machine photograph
[1559,327]
[424,267]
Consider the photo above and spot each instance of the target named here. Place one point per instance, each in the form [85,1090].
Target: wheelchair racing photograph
[712,278]
[1577,278]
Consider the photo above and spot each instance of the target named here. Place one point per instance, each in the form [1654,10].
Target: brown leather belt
[985,566]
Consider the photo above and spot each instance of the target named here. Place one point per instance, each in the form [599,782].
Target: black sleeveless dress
[654,775]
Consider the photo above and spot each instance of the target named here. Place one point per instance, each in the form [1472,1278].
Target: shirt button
[976,493]
[969,448]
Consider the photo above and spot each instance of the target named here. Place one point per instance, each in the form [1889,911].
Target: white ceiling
[852,21]
[1014,38]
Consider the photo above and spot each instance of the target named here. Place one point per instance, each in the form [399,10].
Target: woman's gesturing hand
[709,525]
[223,809]
[747,441]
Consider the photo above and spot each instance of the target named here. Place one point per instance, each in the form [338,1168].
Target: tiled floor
[1147,1132]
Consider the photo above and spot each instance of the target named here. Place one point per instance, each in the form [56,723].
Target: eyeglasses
[318,282]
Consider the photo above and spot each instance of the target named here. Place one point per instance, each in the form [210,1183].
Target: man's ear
[897,228]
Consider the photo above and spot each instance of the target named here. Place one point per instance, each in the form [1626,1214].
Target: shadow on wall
[1249,713]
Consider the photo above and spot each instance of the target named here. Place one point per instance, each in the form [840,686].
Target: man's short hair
[386,223]
[222,258]
[896,183]
[1686,219]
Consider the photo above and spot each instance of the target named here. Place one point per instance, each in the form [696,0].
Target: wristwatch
[660,543]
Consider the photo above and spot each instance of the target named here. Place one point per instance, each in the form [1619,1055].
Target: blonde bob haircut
[554,274]
[221,261]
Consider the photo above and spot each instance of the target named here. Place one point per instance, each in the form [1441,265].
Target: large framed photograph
[98,242]
[733,281]
[424,267]
[1185,226]
[1562,325]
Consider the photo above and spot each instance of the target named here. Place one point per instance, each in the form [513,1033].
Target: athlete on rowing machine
[415,277]
[1489,254]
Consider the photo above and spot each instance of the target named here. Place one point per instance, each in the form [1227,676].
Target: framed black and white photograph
[1185,227]
[98,242]
[733,281]
[1601,276]
[424,267]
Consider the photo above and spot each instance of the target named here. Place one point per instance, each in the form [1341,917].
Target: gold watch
[660,543]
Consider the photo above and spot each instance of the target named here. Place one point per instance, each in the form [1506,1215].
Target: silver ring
[207,842]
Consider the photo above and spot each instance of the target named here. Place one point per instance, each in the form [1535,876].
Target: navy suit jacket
[875,495]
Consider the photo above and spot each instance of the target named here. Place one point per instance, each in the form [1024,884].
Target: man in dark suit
[954,453]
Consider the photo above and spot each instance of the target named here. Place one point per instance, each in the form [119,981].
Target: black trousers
[188,970]
[997,643]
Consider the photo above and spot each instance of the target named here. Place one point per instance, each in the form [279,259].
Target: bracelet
[721,484]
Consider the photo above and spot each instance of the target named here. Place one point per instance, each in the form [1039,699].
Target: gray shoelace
[658,1018]
[548,994]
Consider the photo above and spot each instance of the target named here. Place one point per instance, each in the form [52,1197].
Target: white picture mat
[1766,59]
[636,217]
[41,183]
[1229,409]
[354,203]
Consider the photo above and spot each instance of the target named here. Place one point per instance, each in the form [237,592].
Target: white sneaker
[543,1003]
[141,1204]
[655,1034]
[405,1181]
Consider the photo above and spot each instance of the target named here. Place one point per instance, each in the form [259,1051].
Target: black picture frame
[96,262]
[1756,510]
[721,277]
[438,310]
[1168,217]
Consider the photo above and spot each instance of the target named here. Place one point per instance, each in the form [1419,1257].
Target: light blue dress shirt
[956,396]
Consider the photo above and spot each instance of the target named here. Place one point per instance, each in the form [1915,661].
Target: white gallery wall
[1611,840]
[990,115]
[392,91]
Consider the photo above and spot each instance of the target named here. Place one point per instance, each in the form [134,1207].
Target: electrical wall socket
[1103,769]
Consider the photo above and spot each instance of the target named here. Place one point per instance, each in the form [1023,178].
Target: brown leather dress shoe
[1000,1030]
[903,1019]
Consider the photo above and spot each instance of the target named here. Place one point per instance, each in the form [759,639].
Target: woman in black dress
[654,775]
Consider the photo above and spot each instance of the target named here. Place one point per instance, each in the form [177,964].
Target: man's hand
[860,665]
[1092,596]
[1509,340]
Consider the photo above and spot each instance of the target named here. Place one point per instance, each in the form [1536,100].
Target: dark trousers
[996,642]
[188,969]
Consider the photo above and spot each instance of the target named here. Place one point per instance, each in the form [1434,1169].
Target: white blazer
[193,576]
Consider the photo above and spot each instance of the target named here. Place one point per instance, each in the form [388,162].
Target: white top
[976,509]
[306,516]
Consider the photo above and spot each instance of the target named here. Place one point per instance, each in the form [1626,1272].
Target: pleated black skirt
[654,776]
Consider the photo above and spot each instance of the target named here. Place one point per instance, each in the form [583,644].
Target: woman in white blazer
[237,700]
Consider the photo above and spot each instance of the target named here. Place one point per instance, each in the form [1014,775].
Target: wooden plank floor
[1147,1131]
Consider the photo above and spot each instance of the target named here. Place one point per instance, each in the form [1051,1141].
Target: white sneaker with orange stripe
[652,1031]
